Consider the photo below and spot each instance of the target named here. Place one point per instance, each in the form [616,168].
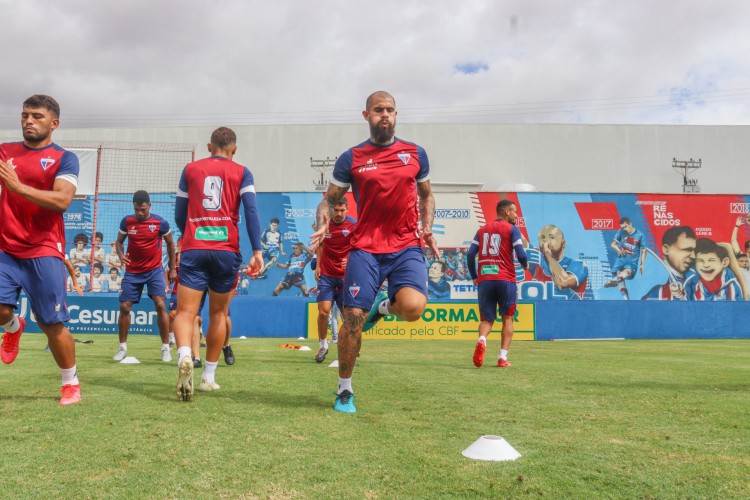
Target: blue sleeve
[181,203]
[424,165]
[579,270]
[164,228]
[123,226]
[314,263]
[342,172]
[618,236]
[263,236]
[471,256]
[252,221]
[515,236]
[180,213]
[68,164]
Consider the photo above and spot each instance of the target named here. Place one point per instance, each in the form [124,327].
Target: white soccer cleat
[207,386]
[120,354]
[166,356]
[185,379]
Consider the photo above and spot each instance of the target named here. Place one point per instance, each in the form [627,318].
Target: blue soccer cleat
[345,402]
[375,315]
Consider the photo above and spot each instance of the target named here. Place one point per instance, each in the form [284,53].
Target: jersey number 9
[212,187]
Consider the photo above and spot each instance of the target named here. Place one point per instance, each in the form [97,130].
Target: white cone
[335,364]
[491,448]
[130,360]
[304,348]
[301,338]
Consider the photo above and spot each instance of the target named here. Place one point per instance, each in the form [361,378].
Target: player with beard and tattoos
[390,179]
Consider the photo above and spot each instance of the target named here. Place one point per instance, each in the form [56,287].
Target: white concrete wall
[555,158]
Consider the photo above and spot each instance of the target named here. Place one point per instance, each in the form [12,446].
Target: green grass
[649,419]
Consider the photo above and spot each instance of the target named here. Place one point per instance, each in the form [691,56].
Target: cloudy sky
[163,62]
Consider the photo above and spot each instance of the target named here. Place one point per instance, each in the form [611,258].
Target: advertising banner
[440,321]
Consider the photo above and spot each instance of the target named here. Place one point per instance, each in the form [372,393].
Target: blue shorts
[622,263]
[271,253]
[43,279]
[293,279]
[494,296]
[329,289]
[365,272]
[132,285]
[209,269]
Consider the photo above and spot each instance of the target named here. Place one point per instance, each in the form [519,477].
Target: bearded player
[391,183]
[38,180]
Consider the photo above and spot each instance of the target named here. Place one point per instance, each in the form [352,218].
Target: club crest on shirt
[46,163]
[152,227]
[345,232]
[354,290]
[405,157]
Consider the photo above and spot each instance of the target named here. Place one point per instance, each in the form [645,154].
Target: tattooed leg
[350,339]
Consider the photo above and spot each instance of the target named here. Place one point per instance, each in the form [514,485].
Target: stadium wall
[554,158]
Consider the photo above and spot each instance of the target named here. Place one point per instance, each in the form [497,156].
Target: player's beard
[383,135]
[34,136]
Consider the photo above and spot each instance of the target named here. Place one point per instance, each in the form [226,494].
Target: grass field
[648,419]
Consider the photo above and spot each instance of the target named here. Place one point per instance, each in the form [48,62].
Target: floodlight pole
[323,167]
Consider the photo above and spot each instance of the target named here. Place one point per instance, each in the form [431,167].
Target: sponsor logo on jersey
[133,230]
[354,290]
[405,157]
[46,163]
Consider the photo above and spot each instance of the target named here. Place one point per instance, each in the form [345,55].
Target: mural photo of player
[270,239]
[631,253]
[678,250]
[549,263]
[715,275]
[438,287]
[301,256]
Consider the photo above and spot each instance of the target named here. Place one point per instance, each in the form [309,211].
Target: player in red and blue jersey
[631,254]
[38,180]
[331,269]
[207,213]
[495,277]
[144,231]
[715,274]
[391,182]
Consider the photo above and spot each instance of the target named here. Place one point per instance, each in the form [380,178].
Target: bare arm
[563,279]
[58,199]
[735,244]
[427,215]
[171,273]
[324,213]
[120,249]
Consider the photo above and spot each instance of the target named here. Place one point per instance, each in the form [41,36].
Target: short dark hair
[99,235]
[443,265]
[502,205]
[747,246]
[223,138]
[625,220]
[672,234]
[43,101]
[274,220]
[375,95]
[343,201]
[140,197]
[707,245]
[741,255]
[99,266]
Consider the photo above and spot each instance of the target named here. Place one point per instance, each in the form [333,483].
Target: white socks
[345,384]
[209,371]
[483,339]
[69,376]
[182,352]
[165,347]
[504,354]
[383,307]
[13,325]
[124,346]
[323,344]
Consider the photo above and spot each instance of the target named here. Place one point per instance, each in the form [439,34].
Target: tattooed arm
[324,213]
[427,214]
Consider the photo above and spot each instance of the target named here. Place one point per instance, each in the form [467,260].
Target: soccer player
[38,180]
[391,183]
[631,254]
[549,263]
[294,276]
[678,249]
[272,246]
[207,212]
[144,231]
[496,280]
[331,268]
